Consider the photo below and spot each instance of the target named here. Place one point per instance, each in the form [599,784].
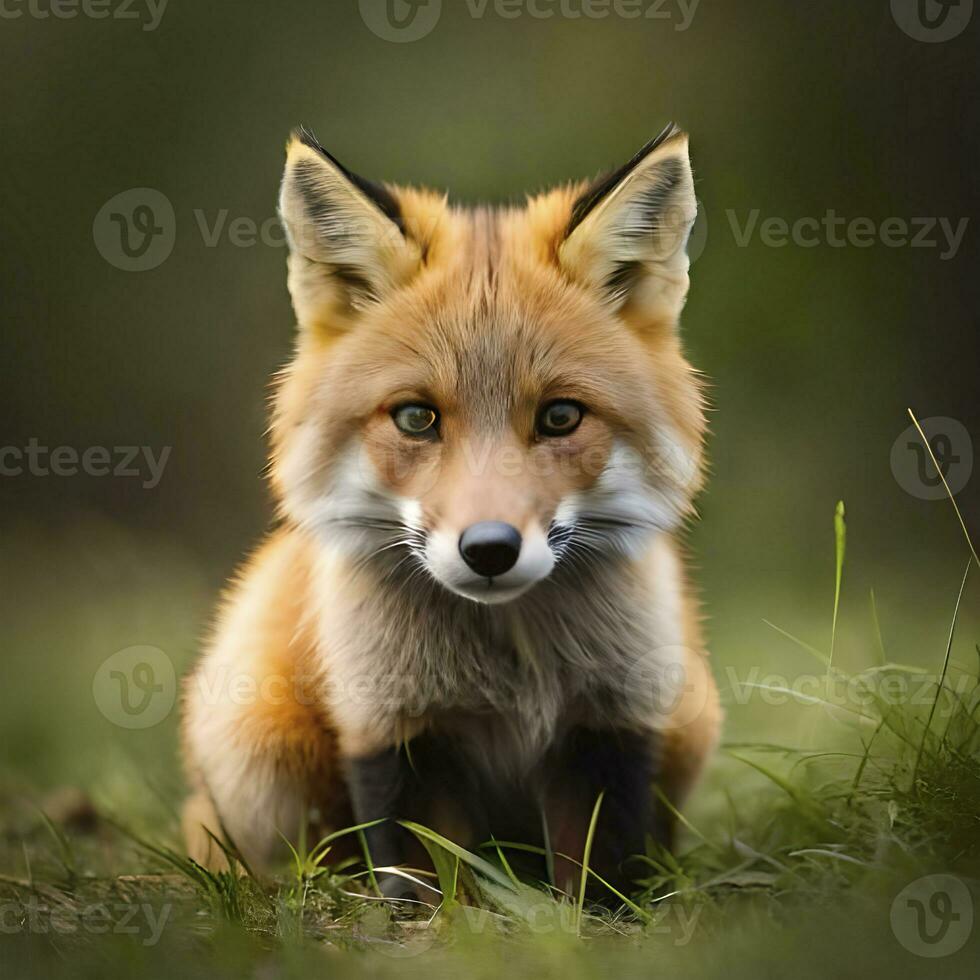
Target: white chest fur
[591,646]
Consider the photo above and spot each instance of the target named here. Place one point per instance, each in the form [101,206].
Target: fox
[473,610]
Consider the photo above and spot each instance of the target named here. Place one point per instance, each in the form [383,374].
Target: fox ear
[628,231]
[346,245]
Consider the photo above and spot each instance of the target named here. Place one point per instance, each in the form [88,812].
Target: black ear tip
[306,136]
[303,134]
[666,134]
[377,193]
[595,194]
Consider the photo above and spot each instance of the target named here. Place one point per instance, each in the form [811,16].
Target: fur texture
[358,626]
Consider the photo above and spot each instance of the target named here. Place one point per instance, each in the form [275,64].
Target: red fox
[473,612]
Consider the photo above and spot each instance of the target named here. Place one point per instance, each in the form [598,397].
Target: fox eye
[416,420]
[559,418]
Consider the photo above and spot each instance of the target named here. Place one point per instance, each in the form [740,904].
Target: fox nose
[490,548]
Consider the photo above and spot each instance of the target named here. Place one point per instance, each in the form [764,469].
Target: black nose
[490,548]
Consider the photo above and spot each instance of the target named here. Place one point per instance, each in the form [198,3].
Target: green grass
[790,860]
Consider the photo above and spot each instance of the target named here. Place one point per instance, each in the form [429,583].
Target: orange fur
[486,315]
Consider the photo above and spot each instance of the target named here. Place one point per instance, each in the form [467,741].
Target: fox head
[488,396]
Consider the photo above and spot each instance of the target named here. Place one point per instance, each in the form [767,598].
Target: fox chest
[505,688]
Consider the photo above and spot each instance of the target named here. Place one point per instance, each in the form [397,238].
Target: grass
[797,864]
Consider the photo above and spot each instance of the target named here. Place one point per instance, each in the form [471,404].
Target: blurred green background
[813,353]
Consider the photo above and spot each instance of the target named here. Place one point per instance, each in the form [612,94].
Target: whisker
[593,537]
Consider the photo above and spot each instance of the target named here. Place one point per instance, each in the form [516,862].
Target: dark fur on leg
[423,783]
[378,786]
[624,765]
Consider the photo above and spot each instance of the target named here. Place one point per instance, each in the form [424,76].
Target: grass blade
[508,870]
[485,868]
[586,854]
[368,862]
[803,698]
[806,805]
[882,657]
[863,764]
[402,873]
[359,828]
[67,855]
[822,657]
[543,852]
[942,676]
[680,818]
[942,477]
[840,545]
[549,854]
